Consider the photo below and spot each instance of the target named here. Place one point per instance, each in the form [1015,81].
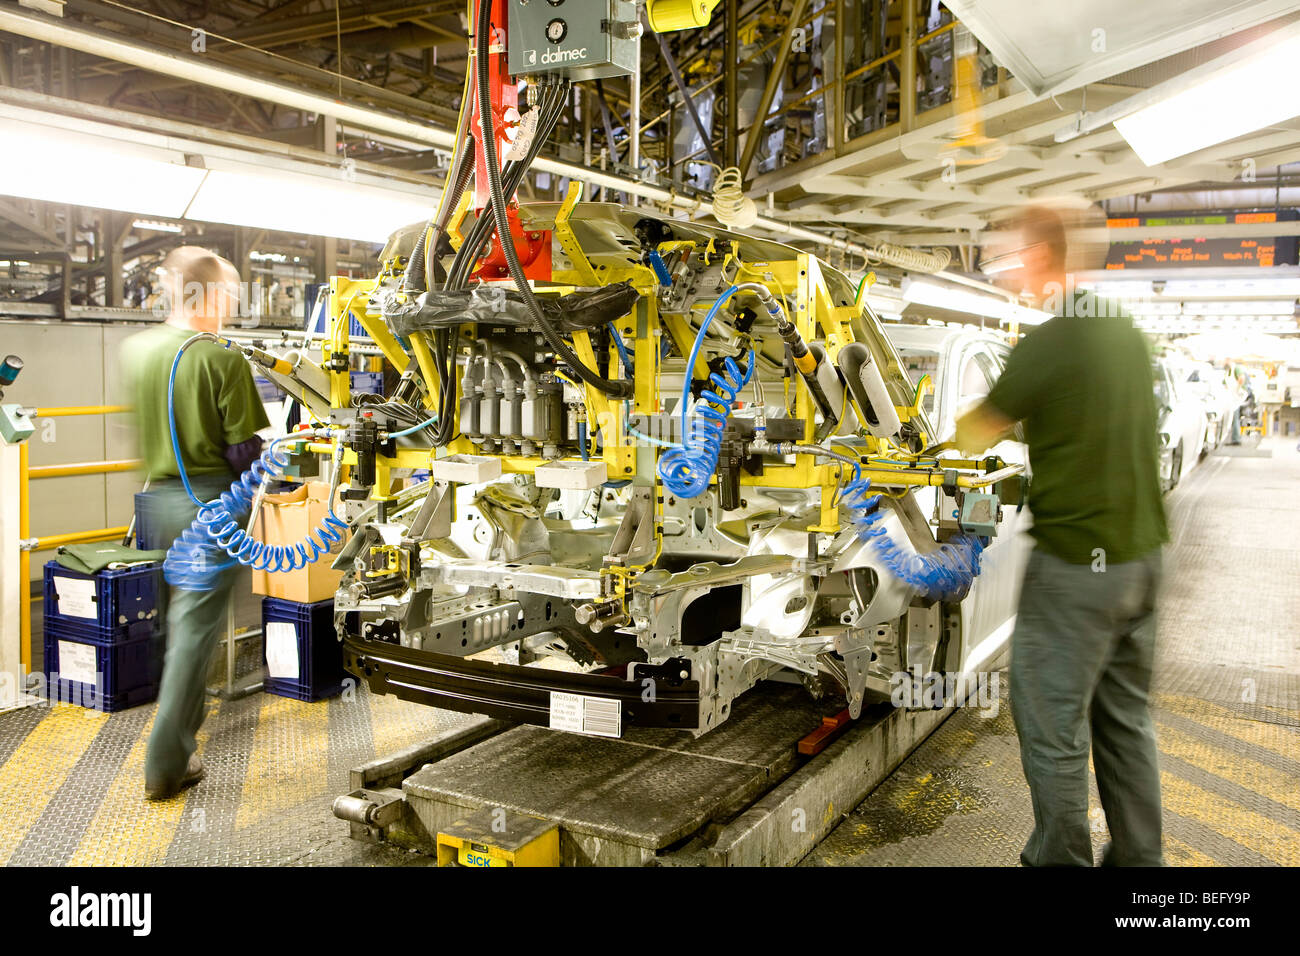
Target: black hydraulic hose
[551,108]
[620,389]
[416,275]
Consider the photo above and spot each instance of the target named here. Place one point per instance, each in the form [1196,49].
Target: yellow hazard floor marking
[35,771]
[1277,785]
[288,763]
[129,830]
[1275,737]
[1178,853]
[1265,836]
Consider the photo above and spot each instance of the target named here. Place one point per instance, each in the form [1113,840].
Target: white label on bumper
[580,714]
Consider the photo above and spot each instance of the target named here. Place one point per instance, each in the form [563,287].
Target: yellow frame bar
[66,411]
[83,468]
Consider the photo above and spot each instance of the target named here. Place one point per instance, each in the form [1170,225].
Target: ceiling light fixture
[1245,90]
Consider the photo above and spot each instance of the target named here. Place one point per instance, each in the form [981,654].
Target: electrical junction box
[580,39]
[14,425]
[979,513]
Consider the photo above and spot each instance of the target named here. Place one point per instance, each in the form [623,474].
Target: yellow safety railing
[27,473]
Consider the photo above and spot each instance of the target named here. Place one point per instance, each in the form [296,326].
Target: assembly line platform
[741,794]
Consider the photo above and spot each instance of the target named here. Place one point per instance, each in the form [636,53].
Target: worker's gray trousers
[195,622]
[1081,667]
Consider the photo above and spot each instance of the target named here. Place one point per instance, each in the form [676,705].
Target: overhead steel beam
[691,111]
[19,216]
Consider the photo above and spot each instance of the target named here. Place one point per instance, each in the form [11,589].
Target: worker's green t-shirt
[217,404]
[1082,383]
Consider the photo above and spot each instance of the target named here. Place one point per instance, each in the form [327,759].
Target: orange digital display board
[1253,252]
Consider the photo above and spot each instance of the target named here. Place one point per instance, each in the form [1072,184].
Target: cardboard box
[286,519]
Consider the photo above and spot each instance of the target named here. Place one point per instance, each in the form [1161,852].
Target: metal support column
[731,93]
[755,134]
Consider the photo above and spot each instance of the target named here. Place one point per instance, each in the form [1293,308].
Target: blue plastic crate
[128,603]
[320,655]
[126,673]
[317,314]
[267,390]
[149,534]
[371,382]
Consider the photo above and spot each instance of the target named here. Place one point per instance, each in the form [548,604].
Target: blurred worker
[218,415]
[1081,654]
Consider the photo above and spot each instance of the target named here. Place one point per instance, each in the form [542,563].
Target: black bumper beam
[509,691]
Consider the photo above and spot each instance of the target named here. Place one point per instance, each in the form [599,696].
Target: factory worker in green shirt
[1081,653]
[218,415]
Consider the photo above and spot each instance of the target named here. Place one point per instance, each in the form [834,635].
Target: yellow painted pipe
[77,537]
[83,468]
[24,564]
[64,411]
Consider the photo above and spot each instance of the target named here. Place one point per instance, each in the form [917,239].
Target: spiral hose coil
[942,575]
[189,564]
[685,469]
[731,206]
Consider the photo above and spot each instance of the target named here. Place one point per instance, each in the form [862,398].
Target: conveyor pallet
[740,795]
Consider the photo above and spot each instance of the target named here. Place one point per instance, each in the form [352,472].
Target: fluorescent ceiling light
[313,205]
[53,165]
[923,292]
[84,169]
[1243,288]
[1256,91]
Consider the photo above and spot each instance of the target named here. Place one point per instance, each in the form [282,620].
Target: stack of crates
[304,659]
[104,635]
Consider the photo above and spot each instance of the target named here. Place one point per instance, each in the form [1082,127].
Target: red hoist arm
[532,247]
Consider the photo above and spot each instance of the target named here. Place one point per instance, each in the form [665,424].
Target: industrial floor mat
[72,782]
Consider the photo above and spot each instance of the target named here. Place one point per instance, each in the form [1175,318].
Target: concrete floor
[1227,707]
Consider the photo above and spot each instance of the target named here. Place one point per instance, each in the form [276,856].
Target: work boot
[165,791]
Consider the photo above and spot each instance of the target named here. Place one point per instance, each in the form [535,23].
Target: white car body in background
[1181,421]
[1215,389]
[964,363]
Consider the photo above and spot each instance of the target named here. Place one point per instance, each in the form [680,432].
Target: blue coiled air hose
[942,575]
[686,469]
[189,564]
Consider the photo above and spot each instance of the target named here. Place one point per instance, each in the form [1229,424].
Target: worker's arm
[983,426]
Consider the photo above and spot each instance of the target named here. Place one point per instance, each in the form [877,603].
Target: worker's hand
[980,428]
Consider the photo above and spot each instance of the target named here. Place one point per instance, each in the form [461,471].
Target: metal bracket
[633,544]
[433,520]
